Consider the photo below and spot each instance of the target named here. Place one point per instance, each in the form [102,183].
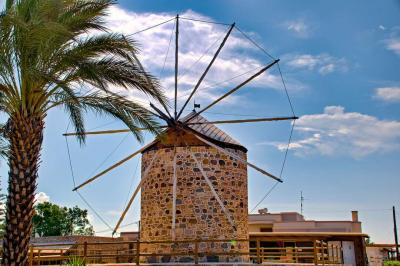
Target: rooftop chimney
[354,216]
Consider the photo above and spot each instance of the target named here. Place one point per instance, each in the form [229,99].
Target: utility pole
[301,202]
[395,234]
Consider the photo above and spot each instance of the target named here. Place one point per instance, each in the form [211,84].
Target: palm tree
[58,53]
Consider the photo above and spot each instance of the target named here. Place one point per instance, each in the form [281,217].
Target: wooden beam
[111,167]
[176,62]
[161,114]
[267,119]
[236,88]
[111,131]
[207,69]
[237,158]
[134,193]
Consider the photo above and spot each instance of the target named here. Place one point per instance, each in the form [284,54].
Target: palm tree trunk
[25,134]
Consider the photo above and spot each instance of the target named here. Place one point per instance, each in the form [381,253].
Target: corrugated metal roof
[209,130]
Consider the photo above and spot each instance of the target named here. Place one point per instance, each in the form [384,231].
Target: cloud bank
[388,94]
[197,44]
[336,132]
[322,63]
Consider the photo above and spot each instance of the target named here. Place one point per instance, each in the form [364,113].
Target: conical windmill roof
[207,130]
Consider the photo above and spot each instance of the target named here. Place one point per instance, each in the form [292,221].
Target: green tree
[58,53]
[53,220]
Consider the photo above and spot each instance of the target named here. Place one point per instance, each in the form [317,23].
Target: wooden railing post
[38,257]
[315,253]
[31,255]
[130,247]
[258,251]
[84,252]
[138,251]
[196,252]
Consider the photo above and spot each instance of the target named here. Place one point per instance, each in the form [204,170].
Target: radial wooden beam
[236,88]
[128,206]
[238,121]
[161,114]
[235,156]
[111,168]
[176,63]
[215,194]
[207,69]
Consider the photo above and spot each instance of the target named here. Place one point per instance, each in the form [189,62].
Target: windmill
[194,179]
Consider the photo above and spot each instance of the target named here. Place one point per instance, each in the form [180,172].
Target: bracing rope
[287,147]
[74,183]
[254,42]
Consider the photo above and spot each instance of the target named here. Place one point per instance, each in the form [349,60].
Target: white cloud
[393,42]
[336,132]
[323,63]
[389,94]
[382,27]
[195,38]
[41,197]
[298,27]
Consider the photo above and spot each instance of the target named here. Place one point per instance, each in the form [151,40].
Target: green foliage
[391,263]
[56,53]
[75,261]
[53,220]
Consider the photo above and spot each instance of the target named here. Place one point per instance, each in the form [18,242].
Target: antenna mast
[301,202]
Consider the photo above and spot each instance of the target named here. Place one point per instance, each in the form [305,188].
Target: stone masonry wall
[198,214]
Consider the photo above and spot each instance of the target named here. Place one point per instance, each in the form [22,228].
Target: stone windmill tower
[194,176]
[193,190]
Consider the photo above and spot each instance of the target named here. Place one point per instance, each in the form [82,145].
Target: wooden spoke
[176,63]
[111,167]
[236,88]
[207,69]
[236,157]
[134,194]
[267,119]
[215,194]
[115,131]
[160,113]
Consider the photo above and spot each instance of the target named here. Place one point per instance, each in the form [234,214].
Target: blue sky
[340,61]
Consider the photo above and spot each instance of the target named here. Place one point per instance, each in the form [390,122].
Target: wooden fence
[320,253]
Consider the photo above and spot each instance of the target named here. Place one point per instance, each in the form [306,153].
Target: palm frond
[133,115]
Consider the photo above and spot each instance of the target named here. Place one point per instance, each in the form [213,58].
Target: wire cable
[282,168]
[205,21]
[73,180]
[286,91]
[254,42]
[110,154]
[151,27]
